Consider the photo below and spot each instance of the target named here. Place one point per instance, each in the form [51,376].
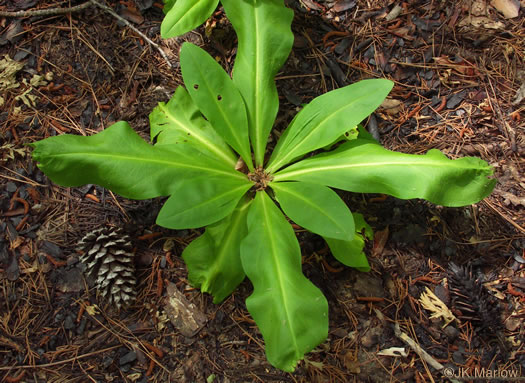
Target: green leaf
[216,96]
[316,208]
[350,253]
[326,118]
[184,15]
[362,228]
[290,311]
[200,201]
[364,134]
[214,260]
[365,167]
[179,121]
[168,4]
[120,160]
[265,40]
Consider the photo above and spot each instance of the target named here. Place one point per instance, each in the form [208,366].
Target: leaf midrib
[258,136]
[313,206]
[215,198]
[241,147]
[155,161]
[187,13]
[229,238]
[310,133]
[208,144]
[274,252]
[292,173]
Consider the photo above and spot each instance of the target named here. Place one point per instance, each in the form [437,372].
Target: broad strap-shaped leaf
[180,122]
[217,97]
[184,15]
[265,39]
[350,253]
[200,201]
[327,118]
[365,167]
[214,260]
[316,208]
[120,160]
[290,311]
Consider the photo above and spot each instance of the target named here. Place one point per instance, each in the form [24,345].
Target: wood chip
[520,95]
[393,351]
[396,11]
[484,22]
[311,5]
[509,8]
[391,106]
[184,316]
[344,5]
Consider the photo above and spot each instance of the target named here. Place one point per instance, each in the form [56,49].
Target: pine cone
[107,254]
[472,299]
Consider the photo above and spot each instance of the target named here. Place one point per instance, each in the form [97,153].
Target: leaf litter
[456,84]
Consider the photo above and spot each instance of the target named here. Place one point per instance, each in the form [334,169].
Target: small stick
[169,260]
[12,201]
[15,379]
[334,33]
[130,26]
[148,236]
[154,349]
[55,262]
[63,11]
[330,268]
[442,105]
[12,213]
[57,363]
[92,197]
[417,348]
[23,202]
[422,353]
[22,223]
[370,299]
[160,285]
[81,311]
[150,368]
[413,112]
[11,343]
[424,278]
[48,11]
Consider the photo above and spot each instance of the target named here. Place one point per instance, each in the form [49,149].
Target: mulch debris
[459,74]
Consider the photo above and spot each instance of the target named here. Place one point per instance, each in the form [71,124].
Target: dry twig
[48,11]
[130,26]
[87,4]
[57,363]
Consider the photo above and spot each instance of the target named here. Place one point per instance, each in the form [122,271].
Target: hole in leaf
[219,97]
[196,86]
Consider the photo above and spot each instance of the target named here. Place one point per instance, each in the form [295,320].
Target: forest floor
[459,72]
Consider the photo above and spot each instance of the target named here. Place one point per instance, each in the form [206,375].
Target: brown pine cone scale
[109,259]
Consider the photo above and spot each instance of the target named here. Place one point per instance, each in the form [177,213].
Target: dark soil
[458,68]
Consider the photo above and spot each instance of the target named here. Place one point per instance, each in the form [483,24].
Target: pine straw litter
[458,70]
